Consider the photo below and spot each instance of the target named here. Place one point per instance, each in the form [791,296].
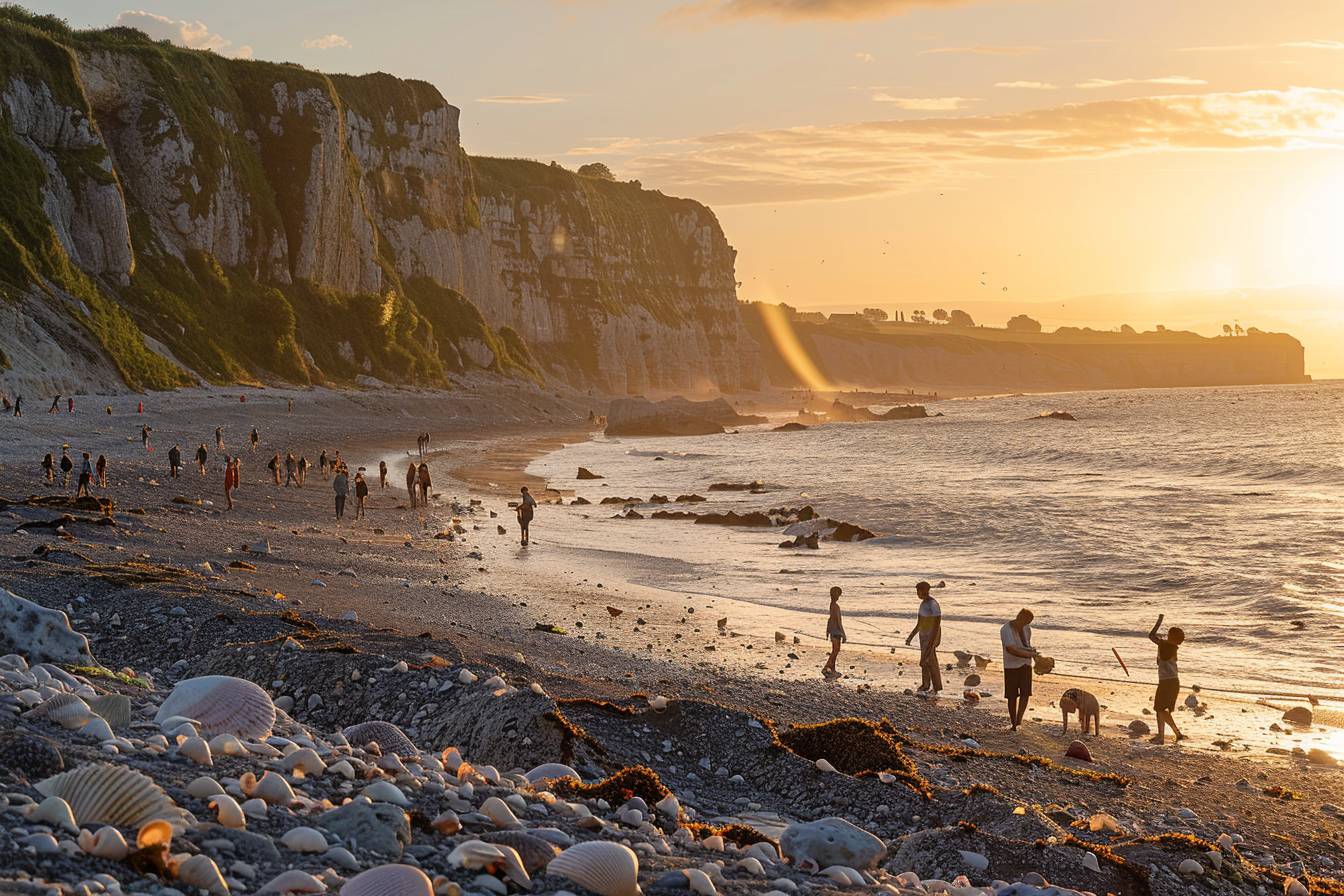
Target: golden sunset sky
[1091,163]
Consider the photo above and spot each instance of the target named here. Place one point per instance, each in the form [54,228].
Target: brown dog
[1083,703]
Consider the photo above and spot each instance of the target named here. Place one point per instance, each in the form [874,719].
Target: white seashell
[114,708]
[154,833]
[304,761]
[766,852]
[255,808]
[342,857]
[494,683]
[222,705]
[537,689]
[229,813]
[1215,859]
[1294,887]
[66,710]
[197,750]
[56,812]
[293,881]
[1089,862]
[257,748]
[271,787]
[1190,866]
[475,855]
[606,868]
[389,880]
[752,865]
[886,777]
[824,765]
[658,702]
[714,843]
[386,792]
[388,737]
[669,806]
[699,882]
[551,770]
[391,763]
[97,728]
[343,768]
[115,795]
[452,759]
[499,812]
[446,823]
[304,839]
[466,676]
[203,787]
[227,745]
[106,843]
[845,877]
[201,871]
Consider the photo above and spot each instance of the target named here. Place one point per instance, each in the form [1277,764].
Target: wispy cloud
[874,157]
[710,11]
[1312,44]
[196,35]
[1173,80]
[326,42]
[523,100]
[983,50]
[925,103]
[864,57]
[1027,85]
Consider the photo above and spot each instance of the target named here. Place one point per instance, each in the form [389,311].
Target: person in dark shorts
[85,476]
[174,461]
[340,484]
[201,456]
[1168,679]
[422,477]
[929,627]
[361,493]
[527,506]
[835,632]
[382,474]
[1017,656]
[410,482]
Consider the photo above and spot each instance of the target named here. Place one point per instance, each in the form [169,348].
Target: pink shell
[389,880]
[388,737]
[223,705]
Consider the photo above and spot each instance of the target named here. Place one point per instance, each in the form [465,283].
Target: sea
[1221,508]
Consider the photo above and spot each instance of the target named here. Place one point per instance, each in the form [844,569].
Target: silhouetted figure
[527,506]
[1168,679]
[929,627]
[835,632]
[1017,656]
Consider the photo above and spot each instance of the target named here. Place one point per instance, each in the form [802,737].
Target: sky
[1093,163]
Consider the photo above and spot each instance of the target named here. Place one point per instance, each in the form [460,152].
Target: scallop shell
[389,880]
[115,795]
[534,852]
[499,812]
[154,833]
[115,708]
[227,745]
[106,843]
[97,728]
[197,750]
[229,813]
[222,705]
[271,787]
[474,855]
[606,868]
[66,710]
[304,839]
[293,881]
[55,812]
[201,871]
[388,737]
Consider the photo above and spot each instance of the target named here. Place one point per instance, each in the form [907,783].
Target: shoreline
[479,598]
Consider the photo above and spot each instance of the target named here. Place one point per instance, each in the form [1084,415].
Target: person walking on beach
[423,476]
[100,471]
[322,463]
[55,405]
[70,405]
[174,461]
[66,466]
[929,627]
[49,467]
[303,469]
[85,477]
[1017,656]
[835,631]
[274,466]
[255,438]
[201,457]
[410,481]
[18,406]
[361,492]
[527,506]
[382,474]
[230,480]
[1168,679]
[219,438]
[340,484]
[144,436]
[291,469]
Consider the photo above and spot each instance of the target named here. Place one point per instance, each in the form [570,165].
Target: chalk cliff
[172,216]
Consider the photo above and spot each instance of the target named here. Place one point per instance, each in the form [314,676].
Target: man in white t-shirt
[929,627]
[1017,657]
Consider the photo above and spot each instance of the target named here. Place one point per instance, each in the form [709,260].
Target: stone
[830,841]
[379,827]
[39,634]
[1138,728]
[1298,716]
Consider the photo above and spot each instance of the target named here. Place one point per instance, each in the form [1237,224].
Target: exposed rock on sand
[585,473]
[673,417]
[840,412]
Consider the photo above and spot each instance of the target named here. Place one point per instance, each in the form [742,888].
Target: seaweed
[620,787]
[856,747]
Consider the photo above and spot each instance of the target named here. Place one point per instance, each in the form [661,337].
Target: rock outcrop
[673,417]
[172,216]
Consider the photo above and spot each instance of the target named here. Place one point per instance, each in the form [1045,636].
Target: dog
[1083,703]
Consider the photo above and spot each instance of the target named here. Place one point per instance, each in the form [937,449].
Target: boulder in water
[790,427]
[585,473]
[812,541]
[675,416]
[732,518]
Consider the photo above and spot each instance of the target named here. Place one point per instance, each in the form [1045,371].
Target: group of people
[1019,658]
[91,472]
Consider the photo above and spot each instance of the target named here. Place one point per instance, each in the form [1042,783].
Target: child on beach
[1168,679]
[835,631]
[526,507]
[361,492]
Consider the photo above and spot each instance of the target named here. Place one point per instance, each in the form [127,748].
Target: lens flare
[782,334]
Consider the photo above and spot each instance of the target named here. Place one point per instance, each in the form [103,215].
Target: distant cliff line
[171,216]
[846,351]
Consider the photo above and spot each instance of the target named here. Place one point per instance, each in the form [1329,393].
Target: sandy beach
[451,581]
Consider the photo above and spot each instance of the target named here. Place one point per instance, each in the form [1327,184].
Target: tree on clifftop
[939,314]
[1023,324]
[959,318]
[597,170]
[876,315]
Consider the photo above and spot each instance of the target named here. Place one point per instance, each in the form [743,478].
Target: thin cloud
[195,35]
[326,42]
[1027,85]
[876,157]
[983,50]
[719,11]
[1313,44]
[1173,80]
[865,58]
[522,100]
[925,103]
